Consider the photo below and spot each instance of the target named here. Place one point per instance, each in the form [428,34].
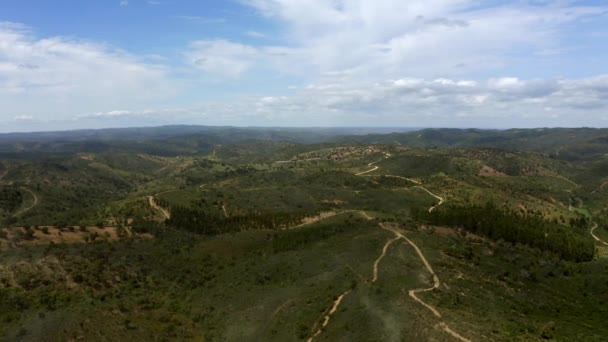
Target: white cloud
[409,102]
[414,102]
[255,34]
[221,57]
[60,77]
[416,38]
[348,62]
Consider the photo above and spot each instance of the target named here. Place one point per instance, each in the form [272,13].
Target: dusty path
[366,215]
[595,226]
[441,200]
[31,206]
[327,317]
[567,180]
[326,215]
[436,283]
[415,181]
[377,263]
[601,187]
[338,301]
[368,171]
[158,208]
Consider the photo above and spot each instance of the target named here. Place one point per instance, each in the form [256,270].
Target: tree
[28,233]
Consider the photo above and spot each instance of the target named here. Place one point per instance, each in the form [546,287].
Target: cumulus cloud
[505,102]
[422,38]
[221,57]
[414,102]
[411,102]
[61,77]
[348,62]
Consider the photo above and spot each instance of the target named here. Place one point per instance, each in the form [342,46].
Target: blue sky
[453,63]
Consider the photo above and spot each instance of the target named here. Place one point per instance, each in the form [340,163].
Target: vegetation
[222,234]
[503,224]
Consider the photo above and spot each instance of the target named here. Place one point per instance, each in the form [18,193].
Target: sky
[70,64]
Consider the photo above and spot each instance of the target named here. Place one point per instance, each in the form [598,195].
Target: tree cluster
[202,222]
[496,223]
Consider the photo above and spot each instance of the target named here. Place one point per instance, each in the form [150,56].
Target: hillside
[222,234]
[562,143]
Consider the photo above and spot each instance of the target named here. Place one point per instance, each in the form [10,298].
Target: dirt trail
[415,181]
[567,180]
[366,215]
[162,210]
[436,283]
[31,206]
[601,187]
[326,215]
[327,317]
[338,301]
[441,200]
[595,226]
[318,218]
[368,171]
[384,250]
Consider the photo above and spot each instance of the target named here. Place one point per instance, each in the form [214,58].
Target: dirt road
[327,317]
[601,187]
[377,263]
[595,226]
[160,209]
[31,206]
[368,171]
[436,283]
[415,181]
[441,200]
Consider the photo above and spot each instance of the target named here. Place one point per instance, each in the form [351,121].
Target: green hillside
[221,234]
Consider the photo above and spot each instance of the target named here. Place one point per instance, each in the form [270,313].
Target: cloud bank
[456,63]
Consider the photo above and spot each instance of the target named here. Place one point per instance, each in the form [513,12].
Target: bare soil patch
[487,171]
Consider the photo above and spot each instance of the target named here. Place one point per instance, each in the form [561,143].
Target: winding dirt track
[160,209]
[327,317]
[31,206]
[436,283]
[415,181]
[441,200]
[592,192]
[595,226]
[368,171]
[338,301]
[377,263]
